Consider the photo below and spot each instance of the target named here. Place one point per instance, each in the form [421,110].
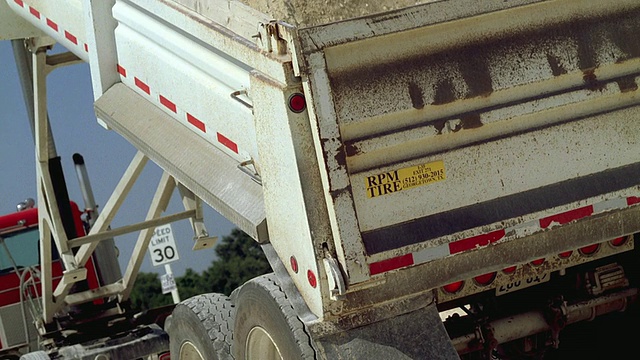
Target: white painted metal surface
[429,131]
[64,21]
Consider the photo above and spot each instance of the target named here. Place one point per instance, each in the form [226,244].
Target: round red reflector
[297,103]
[485,279]
[294,264]
[618,241]
[538,262]
[589,250]
[453,287]
[509,270]
[312,279]
[565,254]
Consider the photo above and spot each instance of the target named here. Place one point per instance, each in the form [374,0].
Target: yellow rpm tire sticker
[404,179]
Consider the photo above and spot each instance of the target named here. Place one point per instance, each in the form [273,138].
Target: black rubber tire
[261,303]
[203,322]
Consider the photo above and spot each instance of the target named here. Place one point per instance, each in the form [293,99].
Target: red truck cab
[19,268]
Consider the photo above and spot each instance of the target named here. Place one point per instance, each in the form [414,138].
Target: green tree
[147,292]
[190,284]
[240,258]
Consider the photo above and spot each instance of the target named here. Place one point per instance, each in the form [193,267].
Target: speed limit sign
[162,247]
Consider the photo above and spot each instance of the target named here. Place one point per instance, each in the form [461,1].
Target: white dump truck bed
[385,150]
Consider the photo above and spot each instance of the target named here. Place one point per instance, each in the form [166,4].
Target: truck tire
[266,325]
[201,328]
[36,355]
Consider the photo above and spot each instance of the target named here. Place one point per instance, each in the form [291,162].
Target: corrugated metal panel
[452,130]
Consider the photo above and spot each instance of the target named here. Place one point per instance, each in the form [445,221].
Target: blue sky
[107,155]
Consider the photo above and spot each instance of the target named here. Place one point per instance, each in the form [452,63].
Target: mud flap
[416,335]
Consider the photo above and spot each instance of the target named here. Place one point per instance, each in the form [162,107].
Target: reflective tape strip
[197,123]
[52,24]
[483,240]
[34,12]
[228,143]
[71,37]
[566,217]
[171,106]
[391,264]
[142,85]
[167,103]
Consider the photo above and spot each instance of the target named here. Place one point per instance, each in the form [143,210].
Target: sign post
[163,250]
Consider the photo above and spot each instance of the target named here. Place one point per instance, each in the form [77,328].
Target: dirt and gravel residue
[305,13]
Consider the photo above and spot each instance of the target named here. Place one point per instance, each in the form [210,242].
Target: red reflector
[294,264]
[485,279]
[538,262]
[165,356]
[565,254]
[590,250]
[509,270]
[453,287]
[618,241]
[312,279]
[297,103]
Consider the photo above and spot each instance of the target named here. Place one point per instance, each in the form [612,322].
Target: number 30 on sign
[162,247]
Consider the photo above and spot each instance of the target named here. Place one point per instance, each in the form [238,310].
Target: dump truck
[395,160]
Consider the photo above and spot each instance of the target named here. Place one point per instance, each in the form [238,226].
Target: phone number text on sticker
[404,179]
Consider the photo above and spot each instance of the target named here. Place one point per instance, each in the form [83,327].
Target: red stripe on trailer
[391,264]
[34,12]
[122,71]
[19,2]
[52,24]
[70,37]
[197,123]
[167,103]
[632,200]
[228,143]
[144,87]
[567,217]
[475,241]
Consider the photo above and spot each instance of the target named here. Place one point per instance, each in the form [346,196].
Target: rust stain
[415,92]
[351,149]
[591,81]
[556,67]
[625,36]
[475,71]
[627,84]
[471,121]
[586,48]
[444,92]
[439,125]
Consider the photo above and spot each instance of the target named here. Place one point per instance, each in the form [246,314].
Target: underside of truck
[534,322]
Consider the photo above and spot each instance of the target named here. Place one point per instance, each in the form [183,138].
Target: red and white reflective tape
[53,25]
[474,242]
[171,107]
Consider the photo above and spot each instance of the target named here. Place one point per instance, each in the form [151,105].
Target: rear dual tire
[260,324]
